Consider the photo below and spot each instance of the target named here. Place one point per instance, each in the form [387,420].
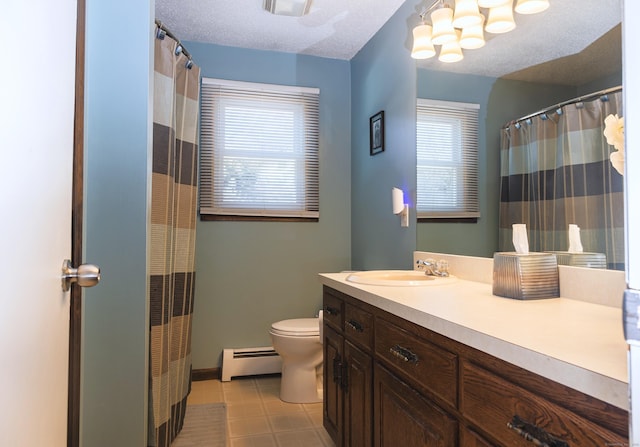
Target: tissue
[575,245]
[520,240]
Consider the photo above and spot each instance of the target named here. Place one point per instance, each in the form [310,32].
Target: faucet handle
[442,266]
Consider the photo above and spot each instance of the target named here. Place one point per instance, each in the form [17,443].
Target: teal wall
[614,80]
[117,147]
[383,77]
[251,274]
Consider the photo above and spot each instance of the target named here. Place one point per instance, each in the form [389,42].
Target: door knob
[86,275]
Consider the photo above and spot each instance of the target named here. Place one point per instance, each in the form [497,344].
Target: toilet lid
[298,326]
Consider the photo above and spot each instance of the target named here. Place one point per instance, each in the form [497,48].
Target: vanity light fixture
[422,44]
[472,37]
[491,3]
[443,30]
[462,25]
[294,8]
[451,51]
[500,19]
[531,6]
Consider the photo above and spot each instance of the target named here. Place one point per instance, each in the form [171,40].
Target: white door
[631,66]
[37,73]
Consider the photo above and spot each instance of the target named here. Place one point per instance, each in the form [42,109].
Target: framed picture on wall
[376,133]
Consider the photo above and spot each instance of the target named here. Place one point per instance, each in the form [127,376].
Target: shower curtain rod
[565,103]
[184,51]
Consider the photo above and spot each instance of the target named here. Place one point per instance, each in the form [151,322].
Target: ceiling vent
[294,8]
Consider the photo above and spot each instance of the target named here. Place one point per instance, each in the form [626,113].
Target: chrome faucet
[433,268]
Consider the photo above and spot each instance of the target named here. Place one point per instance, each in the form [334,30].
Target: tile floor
[256,417]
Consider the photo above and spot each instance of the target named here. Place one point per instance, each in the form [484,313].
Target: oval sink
[397,278]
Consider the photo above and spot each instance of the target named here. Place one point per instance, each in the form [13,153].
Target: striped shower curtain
[555,171]
[173,222]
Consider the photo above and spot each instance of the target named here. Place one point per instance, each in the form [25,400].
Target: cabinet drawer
[430,366]
[358,326]
[333,310]
[491,403]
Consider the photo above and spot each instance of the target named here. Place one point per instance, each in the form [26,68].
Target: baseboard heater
[249,362]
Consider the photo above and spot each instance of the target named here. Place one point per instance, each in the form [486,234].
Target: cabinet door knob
[331,310]
[534,434]
[404,354]
[353,324]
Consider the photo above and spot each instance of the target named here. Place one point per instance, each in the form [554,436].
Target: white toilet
[299,344]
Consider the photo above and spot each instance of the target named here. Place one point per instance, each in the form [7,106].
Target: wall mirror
[571,50]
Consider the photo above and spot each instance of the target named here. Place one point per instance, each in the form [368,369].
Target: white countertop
[575,343]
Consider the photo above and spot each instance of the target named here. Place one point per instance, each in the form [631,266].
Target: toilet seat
[298,327]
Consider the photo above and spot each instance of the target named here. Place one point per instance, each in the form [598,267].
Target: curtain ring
[160,33]
[604,98]
[189,64]
[178,49]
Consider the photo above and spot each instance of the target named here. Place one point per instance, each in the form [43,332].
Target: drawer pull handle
[353,324]
[534,434]
[331,310]
[344,382]
[404,354]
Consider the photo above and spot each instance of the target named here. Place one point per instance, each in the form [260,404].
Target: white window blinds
[447,159]
[259,150]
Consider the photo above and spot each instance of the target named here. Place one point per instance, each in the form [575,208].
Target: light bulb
[466,13]
[442,27]
[531,6]
[422,45]
[491,3]
[451,51]
[472,37]
[500,19]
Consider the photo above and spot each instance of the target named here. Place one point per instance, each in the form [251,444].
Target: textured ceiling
[336,29]
[556,45]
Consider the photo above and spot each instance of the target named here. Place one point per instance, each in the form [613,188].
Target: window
[447,159]
[259,151]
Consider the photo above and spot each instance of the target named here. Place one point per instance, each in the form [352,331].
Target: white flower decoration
[614,133]
[617,161]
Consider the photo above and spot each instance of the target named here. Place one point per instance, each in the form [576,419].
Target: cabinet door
[332,380]
[402,417]
[358,402]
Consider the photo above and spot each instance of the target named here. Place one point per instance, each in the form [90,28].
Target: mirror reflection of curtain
[555,171]
[172,239]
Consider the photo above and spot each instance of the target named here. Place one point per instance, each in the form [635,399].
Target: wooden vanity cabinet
[469,438]
[390,382]
[506,411]
[333,347]
[403,417]
[348,376]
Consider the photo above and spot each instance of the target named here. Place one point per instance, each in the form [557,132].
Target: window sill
[447,220]
[238,218]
